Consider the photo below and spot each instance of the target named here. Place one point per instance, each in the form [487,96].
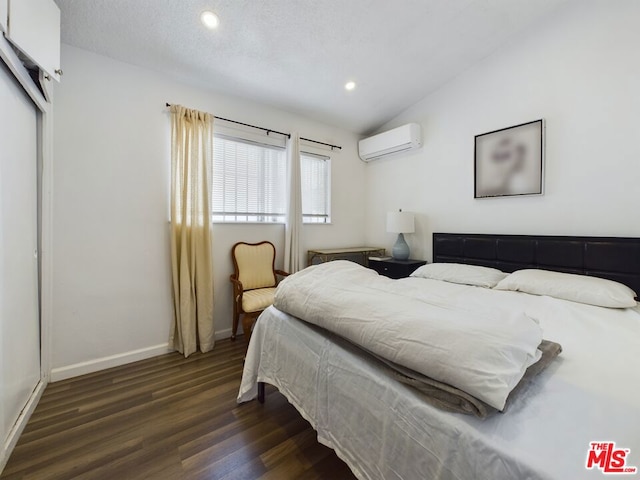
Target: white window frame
[277,144]
[307,219]
[258,218]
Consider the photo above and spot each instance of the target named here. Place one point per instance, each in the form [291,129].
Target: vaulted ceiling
[298,54]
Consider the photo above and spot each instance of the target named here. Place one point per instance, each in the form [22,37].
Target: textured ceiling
[298,54]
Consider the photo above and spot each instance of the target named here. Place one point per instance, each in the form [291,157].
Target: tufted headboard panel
[614,258]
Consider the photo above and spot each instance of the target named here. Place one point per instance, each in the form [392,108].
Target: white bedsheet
[383,430]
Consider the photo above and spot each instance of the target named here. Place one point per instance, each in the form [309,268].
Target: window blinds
[250,183]
[316,178]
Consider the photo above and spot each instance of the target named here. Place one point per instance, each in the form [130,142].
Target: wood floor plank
[168,418]
[220,459]
[291,446]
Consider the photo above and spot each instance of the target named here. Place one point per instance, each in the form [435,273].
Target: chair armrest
[282,273]
[237,285]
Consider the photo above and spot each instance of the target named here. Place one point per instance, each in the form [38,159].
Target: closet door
[19,319]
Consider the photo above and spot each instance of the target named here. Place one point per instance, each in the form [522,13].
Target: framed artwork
[509,161]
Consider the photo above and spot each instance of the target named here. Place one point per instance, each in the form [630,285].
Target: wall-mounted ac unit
[402,139]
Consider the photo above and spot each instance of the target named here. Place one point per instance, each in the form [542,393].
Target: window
[250,183]
[316,184]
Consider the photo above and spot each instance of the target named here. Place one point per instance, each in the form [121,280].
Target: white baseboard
[90,366]
[21,422]
[222,334]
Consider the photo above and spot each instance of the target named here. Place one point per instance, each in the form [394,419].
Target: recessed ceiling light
[350,86]
[209,19]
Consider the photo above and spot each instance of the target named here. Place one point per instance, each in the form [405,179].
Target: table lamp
[400,222]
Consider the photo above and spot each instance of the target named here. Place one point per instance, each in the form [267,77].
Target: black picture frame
[510,161]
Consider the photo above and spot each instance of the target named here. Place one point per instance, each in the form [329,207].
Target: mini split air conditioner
[402,139]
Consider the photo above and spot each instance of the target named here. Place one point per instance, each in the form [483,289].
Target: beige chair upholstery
[254,282]
[257,300]
[255,265]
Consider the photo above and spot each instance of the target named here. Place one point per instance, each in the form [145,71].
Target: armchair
[254,282]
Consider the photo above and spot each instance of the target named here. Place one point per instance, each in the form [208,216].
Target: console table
[328,254]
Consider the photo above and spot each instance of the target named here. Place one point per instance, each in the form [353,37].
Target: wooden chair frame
[238,291]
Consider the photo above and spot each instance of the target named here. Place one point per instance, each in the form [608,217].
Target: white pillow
[567,286]
[459,273]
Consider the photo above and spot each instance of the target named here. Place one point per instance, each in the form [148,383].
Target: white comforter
[481,349]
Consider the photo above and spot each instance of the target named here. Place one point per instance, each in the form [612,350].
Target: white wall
[19,322]
[112,286]
[579,70]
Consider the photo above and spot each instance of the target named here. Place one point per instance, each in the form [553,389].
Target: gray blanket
[455,400]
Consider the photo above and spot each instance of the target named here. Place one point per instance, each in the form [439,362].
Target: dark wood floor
[168,418]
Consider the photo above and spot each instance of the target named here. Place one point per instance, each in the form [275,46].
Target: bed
[383,429]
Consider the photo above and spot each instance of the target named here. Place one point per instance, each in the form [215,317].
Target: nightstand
[395,268]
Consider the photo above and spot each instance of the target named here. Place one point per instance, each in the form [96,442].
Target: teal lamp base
[400,250]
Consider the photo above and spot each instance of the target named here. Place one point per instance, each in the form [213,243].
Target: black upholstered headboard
[614,258]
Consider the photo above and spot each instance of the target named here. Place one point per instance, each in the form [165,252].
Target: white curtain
[293,254]
[191,260]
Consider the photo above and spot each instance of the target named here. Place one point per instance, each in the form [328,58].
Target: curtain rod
[268,130]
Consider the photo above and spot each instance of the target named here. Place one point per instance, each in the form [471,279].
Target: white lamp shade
[400,222]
